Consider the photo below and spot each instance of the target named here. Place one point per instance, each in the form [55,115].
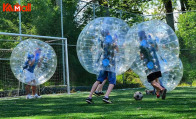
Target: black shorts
[154,76]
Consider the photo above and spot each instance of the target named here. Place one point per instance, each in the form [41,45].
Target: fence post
[67,67]
[66,53]
[20,31]
[63,50]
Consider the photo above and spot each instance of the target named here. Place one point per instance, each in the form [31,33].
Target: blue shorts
[104,74]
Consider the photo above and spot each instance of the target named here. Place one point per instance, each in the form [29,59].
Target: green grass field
[180,103]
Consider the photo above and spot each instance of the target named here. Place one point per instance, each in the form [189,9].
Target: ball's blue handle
[105,62]
[150,65]
[108,39]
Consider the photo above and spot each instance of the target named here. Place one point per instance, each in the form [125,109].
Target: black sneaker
[106,100]
[147,92]
[101,93]
[96,94]
[89,100]
[164,94]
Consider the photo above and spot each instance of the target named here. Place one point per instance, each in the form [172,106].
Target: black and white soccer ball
[138,95]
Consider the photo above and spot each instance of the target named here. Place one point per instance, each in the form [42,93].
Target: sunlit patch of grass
[180,103]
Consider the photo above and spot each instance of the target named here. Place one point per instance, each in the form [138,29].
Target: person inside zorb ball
[109,48]
[103,49]
[33,62]
[148,49]
[30,64]
[169,80]
[97,46]
[157,62]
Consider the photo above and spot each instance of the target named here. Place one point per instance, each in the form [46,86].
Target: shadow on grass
[179,103]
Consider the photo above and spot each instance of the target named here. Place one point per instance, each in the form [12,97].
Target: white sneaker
[29,97]
[37,96]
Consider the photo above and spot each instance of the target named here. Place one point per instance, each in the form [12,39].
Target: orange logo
[16,8]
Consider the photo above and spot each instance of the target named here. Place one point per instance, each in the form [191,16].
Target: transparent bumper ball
[156,41]
[158,49]
[169,80]
[162,34]
[103,45]
[43,59]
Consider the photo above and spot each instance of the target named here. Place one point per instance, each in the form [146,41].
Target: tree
[130,11]
[184,5]
[186,34]
[169,13]
[192,4]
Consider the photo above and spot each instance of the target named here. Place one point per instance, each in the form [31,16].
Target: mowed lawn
[180,103]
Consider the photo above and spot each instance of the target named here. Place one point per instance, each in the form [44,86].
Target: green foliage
[189,74]
[187,29]
[129,77]
[133,9]
[8,23]
[8,20]
[186,34]
[192,4]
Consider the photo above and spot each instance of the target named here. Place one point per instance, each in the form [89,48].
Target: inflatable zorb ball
[169,80]
[158,50]
[102,45]
[43,56]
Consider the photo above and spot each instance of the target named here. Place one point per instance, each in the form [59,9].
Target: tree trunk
[186,4]
[182,5]
[169,11]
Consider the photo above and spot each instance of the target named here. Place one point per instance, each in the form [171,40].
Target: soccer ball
[138,95]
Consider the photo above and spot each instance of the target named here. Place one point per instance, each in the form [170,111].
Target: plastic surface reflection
[158,51]
[33,62]
[103,45]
